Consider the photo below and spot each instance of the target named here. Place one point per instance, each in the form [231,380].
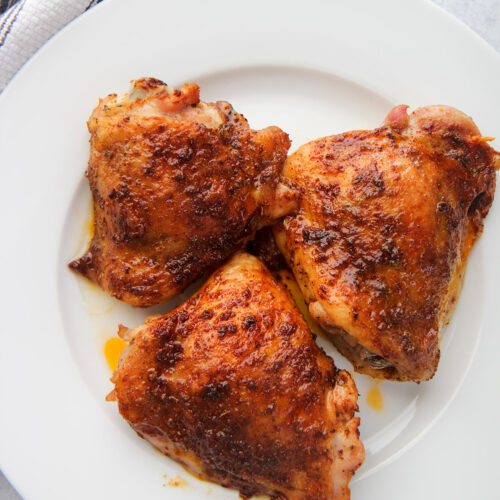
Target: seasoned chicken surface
[178,185]
[232,385]
[380,241]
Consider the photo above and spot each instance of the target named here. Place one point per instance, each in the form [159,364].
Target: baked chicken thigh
[380,242]
[232,385]
[178,185]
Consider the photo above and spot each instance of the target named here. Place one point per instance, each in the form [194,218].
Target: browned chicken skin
[178,185]
[232,385]
[380,241]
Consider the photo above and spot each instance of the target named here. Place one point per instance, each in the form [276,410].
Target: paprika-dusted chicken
[232,385]
[178,185]
[380,242]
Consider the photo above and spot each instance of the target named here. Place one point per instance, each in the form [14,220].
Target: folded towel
[26,25]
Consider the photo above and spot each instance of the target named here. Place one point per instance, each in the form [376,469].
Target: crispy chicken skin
[232,385]
[178,185]
[380,241]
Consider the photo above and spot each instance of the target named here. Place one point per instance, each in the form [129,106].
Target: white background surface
[473,435]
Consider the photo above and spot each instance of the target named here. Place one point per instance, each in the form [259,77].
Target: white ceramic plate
[313,68]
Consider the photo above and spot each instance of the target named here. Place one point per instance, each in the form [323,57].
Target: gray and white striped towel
[26,25]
